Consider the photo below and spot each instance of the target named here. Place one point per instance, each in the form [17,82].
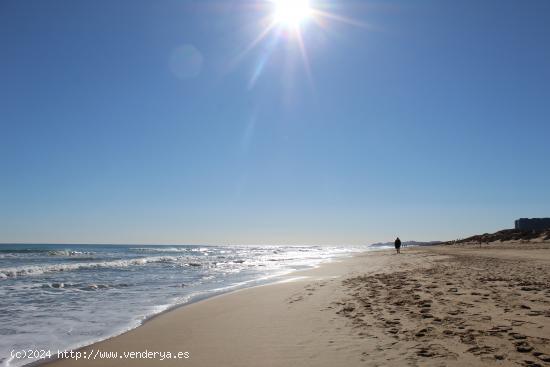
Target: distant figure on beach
[398,245]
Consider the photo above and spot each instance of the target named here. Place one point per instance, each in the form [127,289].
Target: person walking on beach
[398,245]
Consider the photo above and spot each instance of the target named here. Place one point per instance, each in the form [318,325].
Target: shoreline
[207,295]
[451,305]
[295,278]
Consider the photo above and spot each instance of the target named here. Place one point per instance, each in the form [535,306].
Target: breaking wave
[41,269]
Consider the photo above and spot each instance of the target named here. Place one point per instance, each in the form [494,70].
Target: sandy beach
[217,183]
[441,306]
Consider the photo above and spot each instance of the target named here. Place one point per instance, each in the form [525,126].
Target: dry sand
[440,306]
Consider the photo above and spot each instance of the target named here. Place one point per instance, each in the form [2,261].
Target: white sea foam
[89,293]
[48,268]
[69,253]
[160,249]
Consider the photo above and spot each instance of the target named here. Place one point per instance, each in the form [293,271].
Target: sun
[291,22]
[291,12]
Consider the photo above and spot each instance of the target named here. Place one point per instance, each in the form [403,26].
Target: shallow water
[64,296]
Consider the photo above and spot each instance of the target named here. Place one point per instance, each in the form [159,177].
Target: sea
[62,297]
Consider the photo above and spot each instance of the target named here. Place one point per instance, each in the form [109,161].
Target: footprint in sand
[523,347]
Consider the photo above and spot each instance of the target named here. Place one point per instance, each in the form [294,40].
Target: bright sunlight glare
[291,12]
[285,22]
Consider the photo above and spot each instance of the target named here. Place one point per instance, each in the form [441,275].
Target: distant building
[533,224]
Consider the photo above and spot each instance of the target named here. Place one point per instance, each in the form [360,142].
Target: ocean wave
[49,252]
[82,286]
[50,268]
[170,249]
[23,251]
[88,298]
[158,249]
[68,252]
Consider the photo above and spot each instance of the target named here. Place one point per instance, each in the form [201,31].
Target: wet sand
[437,306]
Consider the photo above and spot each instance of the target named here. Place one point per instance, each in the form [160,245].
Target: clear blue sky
[147,122]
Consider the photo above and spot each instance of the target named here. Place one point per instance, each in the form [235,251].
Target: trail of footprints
[454,301]
[309,290]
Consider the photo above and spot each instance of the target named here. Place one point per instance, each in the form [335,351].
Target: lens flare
[290,21]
